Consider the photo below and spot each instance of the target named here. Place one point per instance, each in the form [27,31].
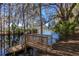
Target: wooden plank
[15,48]
[38,45]
[42,47]
[38,35]
[20,47]
[49,49]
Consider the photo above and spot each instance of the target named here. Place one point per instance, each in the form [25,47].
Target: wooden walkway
[48,49]
[32,43]
[45,48]
[41,46]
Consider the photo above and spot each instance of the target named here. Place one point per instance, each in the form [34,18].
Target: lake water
[53,38]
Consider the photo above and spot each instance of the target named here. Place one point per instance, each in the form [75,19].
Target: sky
[50,11]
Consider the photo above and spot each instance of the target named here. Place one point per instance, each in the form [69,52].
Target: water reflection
[5,42]
[54,37]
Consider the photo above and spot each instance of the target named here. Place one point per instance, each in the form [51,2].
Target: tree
[64,10]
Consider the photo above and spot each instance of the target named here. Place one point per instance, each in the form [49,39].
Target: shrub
[33,30]
[65,28]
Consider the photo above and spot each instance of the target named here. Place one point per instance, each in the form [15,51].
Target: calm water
[12,38]
[53,38]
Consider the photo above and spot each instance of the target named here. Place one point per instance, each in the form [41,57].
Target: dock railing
[43,39]
[35,38]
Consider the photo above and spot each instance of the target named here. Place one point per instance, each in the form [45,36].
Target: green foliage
[65,28]
[34,30]
[28,30]
[15,28]
[31,30]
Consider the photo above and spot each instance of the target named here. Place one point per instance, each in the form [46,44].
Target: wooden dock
[39,45]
